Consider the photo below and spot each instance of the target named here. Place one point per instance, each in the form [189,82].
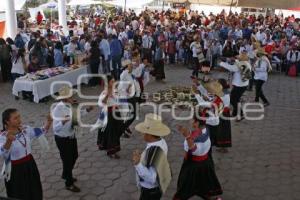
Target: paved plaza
[263,164]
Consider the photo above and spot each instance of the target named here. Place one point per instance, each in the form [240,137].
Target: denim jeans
[116,64]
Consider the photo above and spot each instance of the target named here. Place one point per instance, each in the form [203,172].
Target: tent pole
[231,6]
[11,19]
[125,6]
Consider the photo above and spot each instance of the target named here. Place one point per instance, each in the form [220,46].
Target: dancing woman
[22,177]
[109,135]
[197,175]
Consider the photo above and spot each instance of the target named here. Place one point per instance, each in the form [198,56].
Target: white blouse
[138,71]
[202,147]
[21,146]
[127,79]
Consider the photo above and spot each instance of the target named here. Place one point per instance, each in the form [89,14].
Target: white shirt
[260,36]
[127,79]
[71,48]
[111,101]
[59,112]
[138,71]
[123,36]
[135,25]
[105,48]
[292,56]
[149,175]
[87,47]
[202,147]
[213,119]
[196,48]
[261,67]
[146,42]
[18,148]
[226,100]
[18,67]
[237,78]
[239,33]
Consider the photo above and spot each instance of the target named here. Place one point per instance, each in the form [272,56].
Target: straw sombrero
[126,62]
[65,92]
[243,57]
[261,51]
[153,125]
[214,87]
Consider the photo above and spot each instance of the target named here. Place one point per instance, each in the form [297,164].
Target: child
[223,138]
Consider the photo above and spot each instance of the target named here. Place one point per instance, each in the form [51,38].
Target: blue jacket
[58,58]
[224,33]
[115,48]
[247,33]
[19,42]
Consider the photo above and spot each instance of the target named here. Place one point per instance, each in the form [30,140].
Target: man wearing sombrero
[261,68]
[64,119]
[241,74]
[152,166]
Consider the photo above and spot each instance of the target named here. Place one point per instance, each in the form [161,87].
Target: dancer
[261,68]
[139,72]
[130,89]
[64,121]
[240,82]
[22,177]
[152,166]
[223,138]
[112,129]
[211,99]
[197,175]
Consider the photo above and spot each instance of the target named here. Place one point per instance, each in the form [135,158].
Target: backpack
[292,71]
[245,70]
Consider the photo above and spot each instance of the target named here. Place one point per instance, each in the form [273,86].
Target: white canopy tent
[83,2]
[18,5]
[49,5]
[129,3]
[277,4]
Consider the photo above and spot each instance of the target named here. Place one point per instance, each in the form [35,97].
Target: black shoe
[239,119]
[73,188]
[126,135]
[73,179]
[128,131]
[266,104]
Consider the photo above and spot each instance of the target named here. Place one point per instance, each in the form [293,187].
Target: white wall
[287,13]
[214,9]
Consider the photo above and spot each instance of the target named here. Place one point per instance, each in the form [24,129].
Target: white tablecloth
[42,88]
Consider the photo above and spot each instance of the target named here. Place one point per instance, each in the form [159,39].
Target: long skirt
[25,182]
[159,70]
[223,137]
[109,138]
[197,179]
[213,132]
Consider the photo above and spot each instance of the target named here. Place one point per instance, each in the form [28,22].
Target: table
[42,88]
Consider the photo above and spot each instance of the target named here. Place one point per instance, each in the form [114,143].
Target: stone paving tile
[263,163]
